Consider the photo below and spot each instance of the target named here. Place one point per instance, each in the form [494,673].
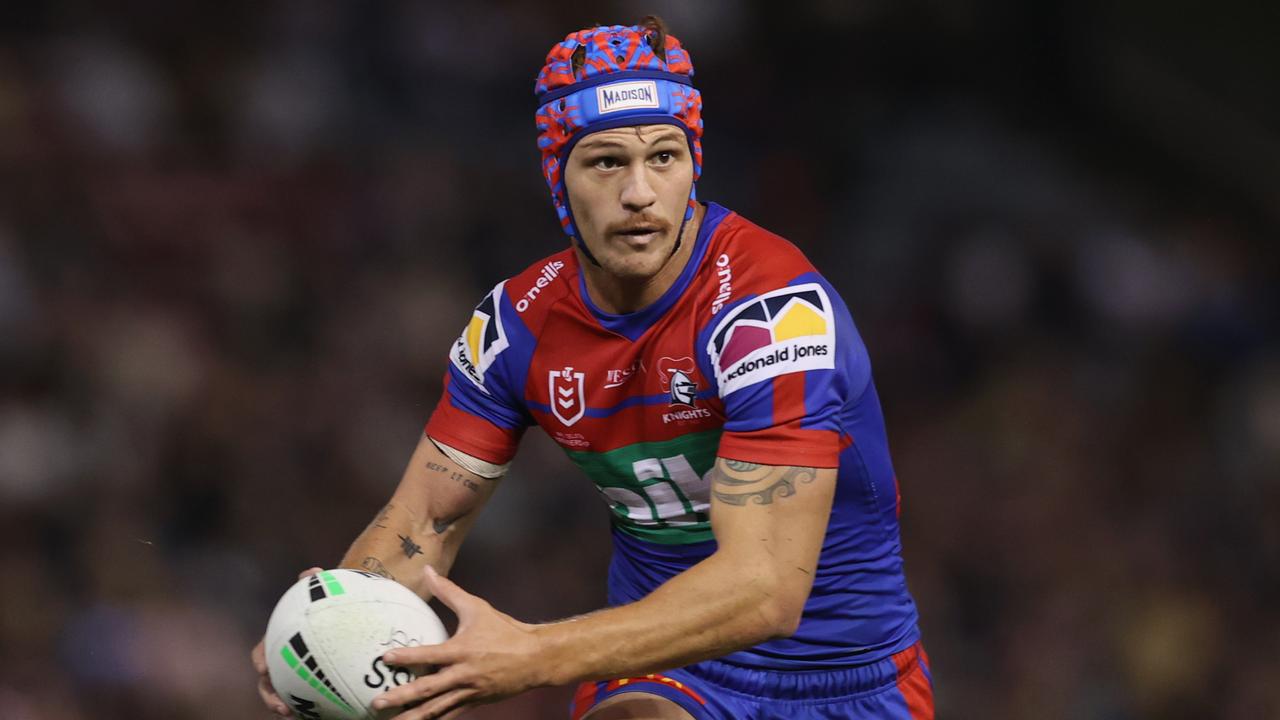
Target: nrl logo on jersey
[784,331]
[482,340]
[568,401]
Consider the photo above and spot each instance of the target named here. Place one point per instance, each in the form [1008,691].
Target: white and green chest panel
[657,491]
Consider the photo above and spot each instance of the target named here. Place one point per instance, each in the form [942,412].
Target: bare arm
[425,520]
[769,522]
[423,524]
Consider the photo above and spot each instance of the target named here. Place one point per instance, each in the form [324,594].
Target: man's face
[628,188]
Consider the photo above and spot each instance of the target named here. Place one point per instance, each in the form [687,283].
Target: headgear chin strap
[620,82]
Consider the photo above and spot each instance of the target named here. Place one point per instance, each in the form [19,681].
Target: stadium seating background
[237,238]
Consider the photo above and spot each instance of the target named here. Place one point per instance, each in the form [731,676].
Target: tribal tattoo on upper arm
[735,482]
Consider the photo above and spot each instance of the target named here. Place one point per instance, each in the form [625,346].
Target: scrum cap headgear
[607,77]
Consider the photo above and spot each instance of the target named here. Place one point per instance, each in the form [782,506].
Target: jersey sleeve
[482,410]
[787,364]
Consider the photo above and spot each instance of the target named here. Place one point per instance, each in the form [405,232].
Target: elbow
[783,618]
[778,613]
[769,602]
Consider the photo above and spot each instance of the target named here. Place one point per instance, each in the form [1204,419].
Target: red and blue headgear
[620,81]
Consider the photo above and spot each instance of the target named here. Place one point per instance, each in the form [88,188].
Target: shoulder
[772,313]
[533,292]
[509,317]
[746,259]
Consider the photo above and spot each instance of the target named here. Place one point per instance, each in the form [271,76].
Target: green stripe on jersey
[658,491]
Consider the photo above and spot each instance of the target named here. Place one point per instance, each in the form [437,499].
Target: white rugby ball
[326,638]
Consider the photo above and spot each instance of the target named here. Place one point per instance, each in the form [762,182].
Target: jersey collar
[634,324]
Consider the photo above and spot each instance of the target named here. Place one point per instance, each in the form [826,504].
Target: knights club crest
[684,391]
[676,376]
[568,403]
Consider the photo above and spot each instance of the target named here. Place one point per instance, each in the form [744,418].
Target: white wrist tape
[471,464]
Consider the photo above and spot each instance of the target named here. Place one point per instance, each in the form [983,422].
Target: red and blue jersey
[750,355]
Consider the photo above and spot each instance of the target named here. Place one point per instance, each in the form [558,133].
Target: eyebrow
[604,142]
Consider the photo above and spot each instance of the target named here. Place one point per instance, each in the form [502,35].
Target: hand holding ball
[326,638]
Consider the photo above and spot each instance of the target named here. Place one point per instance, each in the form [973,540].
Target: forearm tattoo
[735,482]
[375,566]
[381,520]
[409,547]
[455,476]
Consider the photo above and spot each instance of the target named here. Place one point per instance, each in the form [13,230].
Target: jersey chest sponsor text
[657,491]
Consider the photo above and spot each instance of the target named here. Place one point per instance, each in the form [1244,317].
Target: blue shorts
[897,688]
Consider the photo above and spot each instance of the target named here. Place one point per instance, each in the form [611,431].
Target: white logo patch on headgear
[627,96]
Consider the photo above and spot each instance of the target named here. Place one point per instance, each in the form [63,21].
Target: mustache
[640,223]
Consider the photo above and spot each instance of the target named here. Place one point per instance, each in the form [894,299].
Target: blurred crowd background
[237,238]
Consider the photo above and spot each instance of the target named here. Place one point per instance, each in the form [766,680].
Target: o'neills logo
[725,275]
[627,96]
[550,272]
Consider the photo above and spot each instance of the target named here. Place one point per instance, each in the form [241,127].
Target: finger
[259,657]
[448,592]
[270,698]
[265,690]
[309,572]
[438,707]
[445,653]
[423,688]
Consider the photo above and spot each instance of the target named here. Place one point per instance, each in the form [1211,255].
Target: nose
[637,193]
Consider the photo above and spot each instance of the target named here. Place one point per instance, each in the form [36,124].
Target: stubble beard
[630,266]
[638,266]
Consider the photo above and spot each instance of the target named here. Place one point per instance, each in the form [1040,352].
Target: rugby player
[713,386]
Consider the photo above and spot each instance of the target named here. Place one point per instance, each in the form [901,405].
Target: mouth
[639,235]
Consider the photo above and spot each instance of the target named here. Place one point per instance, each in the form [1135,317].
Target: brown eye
[605,163]
[663,158]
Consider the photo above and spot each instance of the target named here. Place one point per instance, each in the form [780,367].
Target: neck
[623,295]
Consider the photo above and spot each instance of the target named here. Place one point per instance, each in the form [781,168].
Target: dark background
[237,239]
